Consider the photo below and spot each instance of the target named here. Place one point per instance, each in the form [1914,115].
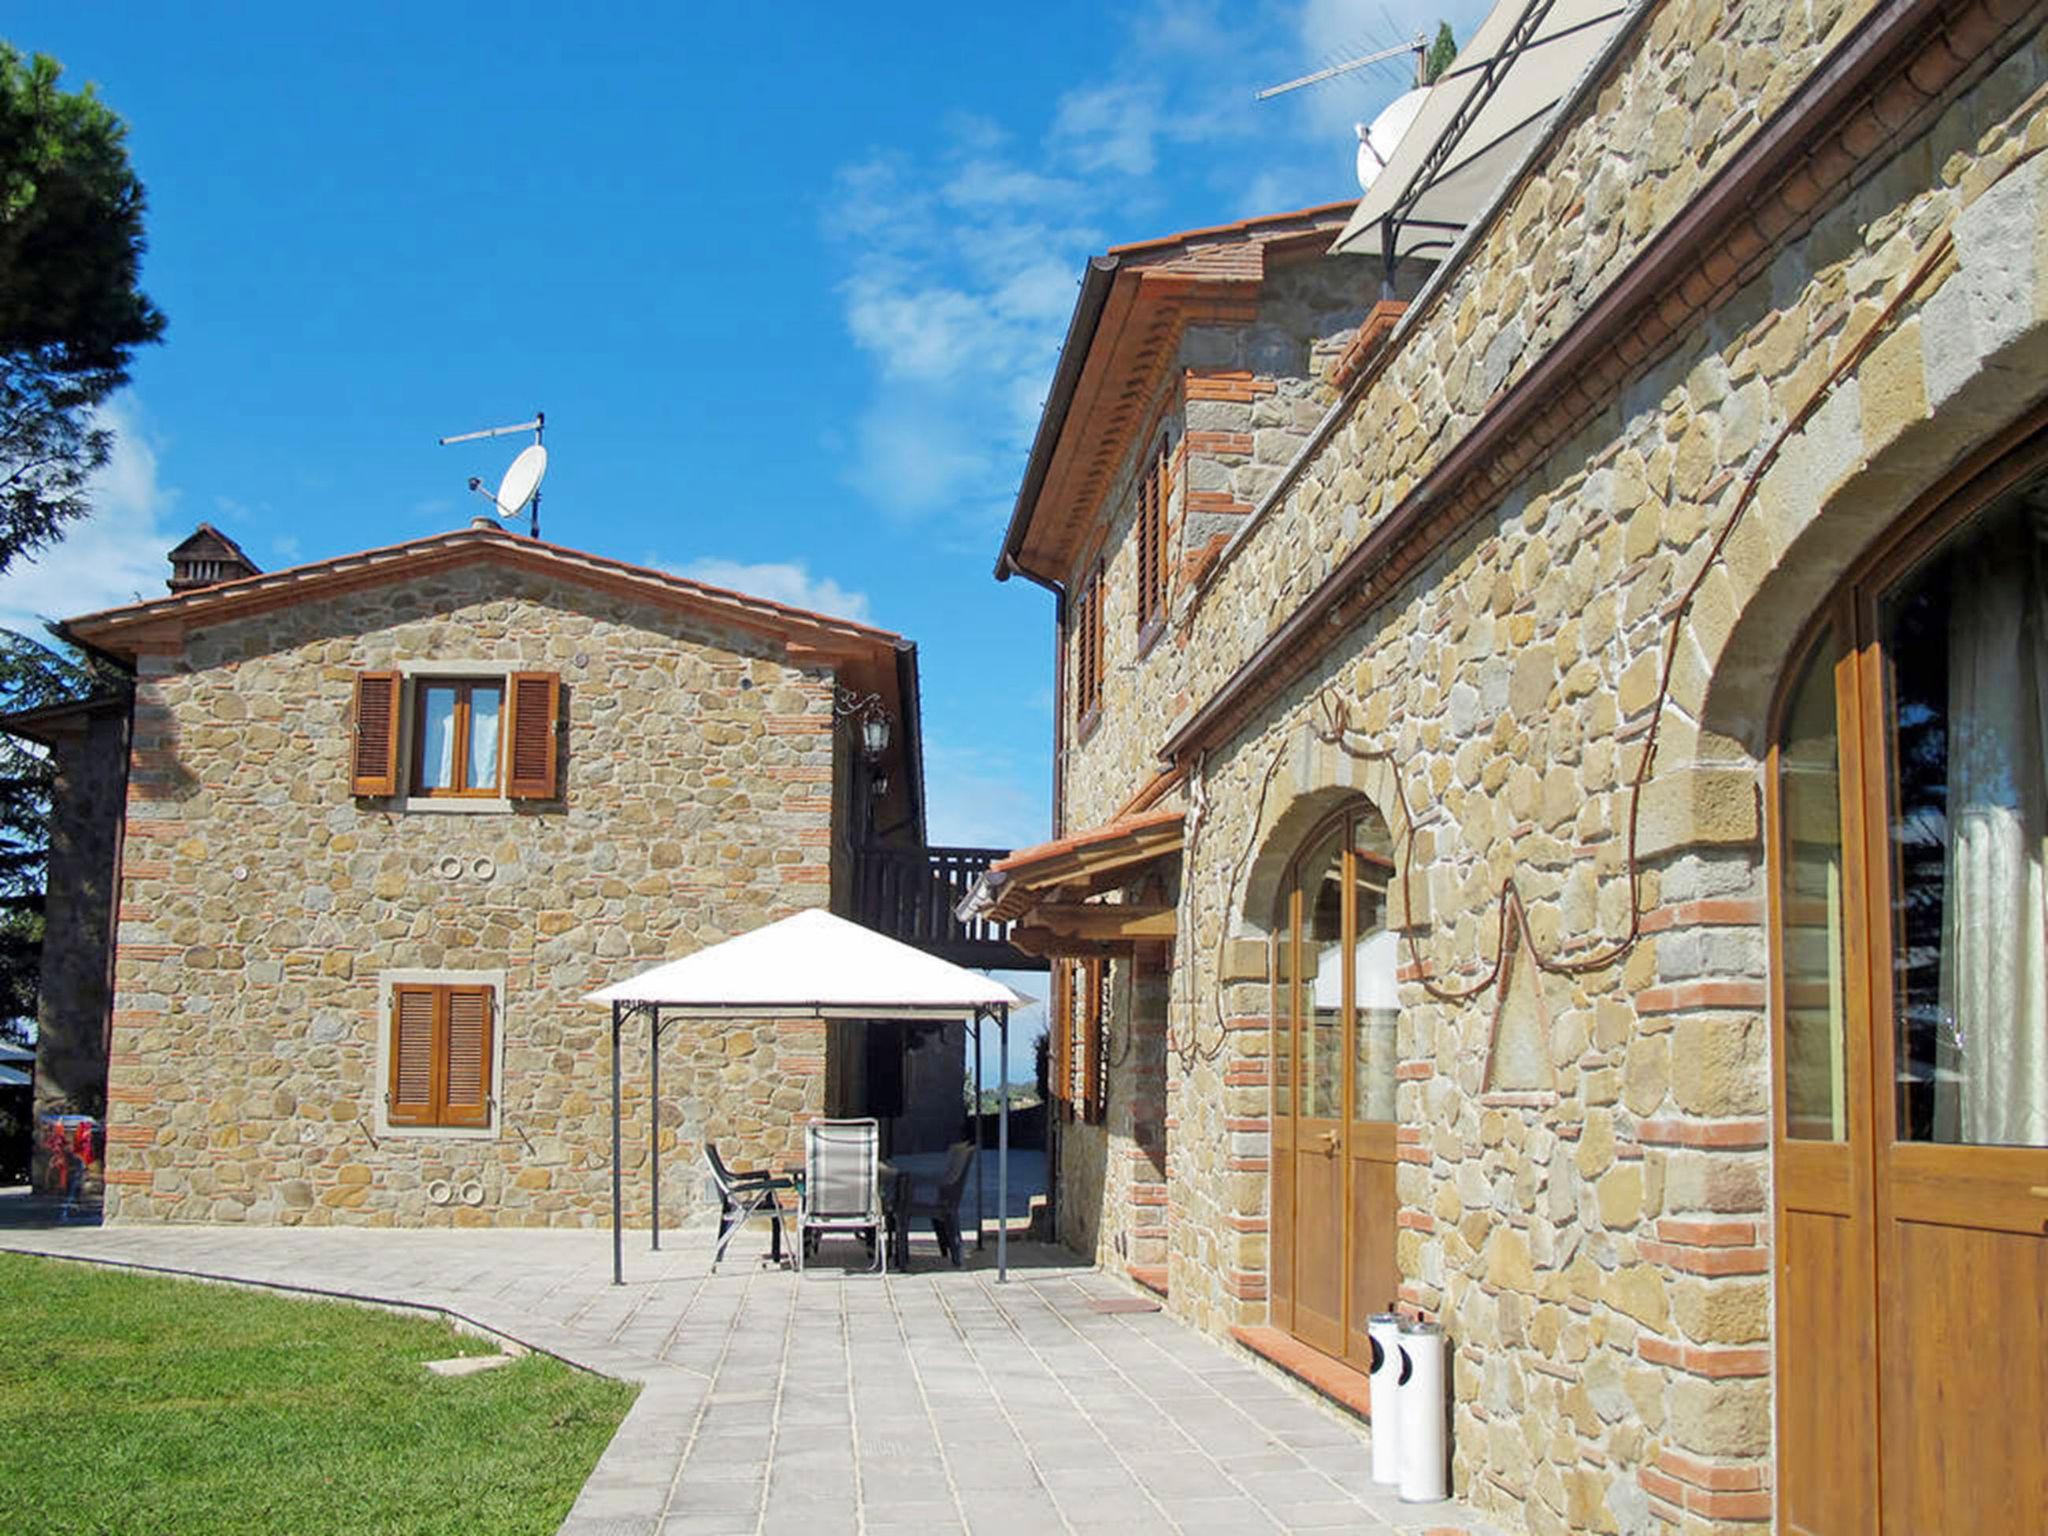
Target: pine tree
[1440,54]
[71,316]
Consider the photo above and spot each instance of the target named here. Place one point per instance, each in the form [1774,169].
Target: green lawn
[142,1406]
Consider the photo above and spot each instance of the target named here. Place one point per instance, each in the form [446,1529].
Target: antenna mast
[535,466]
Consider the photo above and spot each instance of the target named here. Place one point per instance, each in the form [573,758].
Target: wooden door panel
[1827,1393]
[1319,1238]
[1375,1275]
[1280,1230]
[2001,1189]
[1966,1391]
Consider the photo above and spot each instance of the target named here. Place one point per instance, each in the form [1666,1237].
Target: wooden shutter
[1059,1074]
[373,760]
[466,1094]
[410,1099]
[1094,1101]
[534,700]
[1095,641]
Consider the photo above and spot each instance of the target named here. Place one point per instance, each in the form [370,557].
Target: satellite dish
[521,480]
[1376,143]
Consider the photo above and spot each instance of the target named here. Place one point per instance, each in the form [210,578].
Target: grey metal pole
[980,1184]
[618,1154]
[1003,1144]
[654,1113]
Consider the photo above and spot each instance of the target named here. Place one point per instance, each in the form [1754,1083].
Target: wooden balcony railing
[912,893]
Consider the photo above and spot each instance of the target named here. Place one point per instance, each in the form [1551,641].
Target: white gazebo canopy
[813,966]
[810,966]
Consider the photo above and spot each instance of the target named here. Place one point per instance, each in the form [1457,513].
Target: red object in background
[57,1142]
[75,1143]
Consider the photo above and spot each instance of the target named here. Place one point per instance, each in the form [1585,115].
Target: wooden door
[1910,950]
[1373,1279]
[1319,1121]
[1826,1281]
[1334,1159]
[1954,676]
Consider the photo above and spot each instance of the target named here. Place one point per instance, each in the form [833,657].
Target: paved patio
[935,1402]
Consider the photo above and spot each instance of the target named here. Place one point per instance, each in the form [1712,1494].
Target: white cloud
[982,797]
[960,264]
[1114,127]
[781,582]
[111,557]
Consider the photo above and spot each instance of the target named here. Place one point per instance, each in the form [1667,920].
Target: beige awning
[1477,122]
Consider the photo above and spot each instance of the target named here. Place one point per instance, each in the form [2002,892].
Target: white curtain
[1994,961]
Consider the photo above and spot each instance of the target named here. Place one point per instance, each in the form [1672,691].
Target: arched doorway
[1909,845]
[1334,1015]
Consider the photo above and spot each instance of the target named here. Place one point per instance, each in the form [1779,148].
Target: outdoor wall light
[876,729]
[874,735]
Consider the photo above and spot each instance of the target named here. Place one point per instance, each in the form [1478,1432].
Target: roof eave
[1096,281]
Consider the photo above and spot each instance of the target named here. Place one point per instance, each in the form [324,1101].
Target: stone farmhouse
[1552,817]
[379,823]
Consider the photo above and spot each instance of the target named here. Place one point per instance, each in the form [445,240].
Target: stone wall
[262,903]
[1592,1226]
[73,998]
[1236,403]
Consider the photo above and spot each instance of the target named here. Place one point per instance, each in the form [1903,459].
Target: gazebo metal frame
[975,1017]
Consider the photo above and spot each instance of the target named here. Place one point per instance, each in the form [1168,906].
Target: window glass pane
[1283,1015]
[1810,807]
[1374,957]
[1966,646]
[485,701]
[437,736]
[1322,980]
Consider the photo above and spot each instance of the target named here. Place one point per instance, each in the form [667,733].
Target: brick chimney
[208,558]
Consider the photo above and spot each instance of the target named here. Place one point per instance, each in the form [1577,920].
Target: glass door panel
[1965,637]
[1810,846]
[1322,982]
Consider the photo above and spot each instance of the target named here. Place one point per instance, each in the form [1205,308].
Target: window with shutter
[441,1054]
[472,736]
[373,761]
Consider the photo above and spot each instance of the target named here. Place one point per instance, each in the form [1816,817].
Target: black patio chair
[938,1202]
[741,1197]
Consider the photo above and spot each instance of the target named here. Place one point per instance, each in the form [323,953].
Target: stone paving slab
[938,1401]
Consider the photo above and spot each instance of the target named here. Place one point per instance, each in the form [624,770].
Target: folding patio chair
[742,1197]
[842,1190]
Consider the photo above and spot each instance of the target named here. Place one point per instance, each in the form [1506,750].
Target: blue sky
[790,294]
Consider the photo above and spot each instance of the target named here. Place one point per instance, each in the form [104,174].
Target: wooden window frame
[439,1114]
[464,687]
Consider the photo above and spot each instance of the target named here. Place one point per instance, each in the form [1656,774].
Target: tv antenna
[1419,48]
[520,486]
